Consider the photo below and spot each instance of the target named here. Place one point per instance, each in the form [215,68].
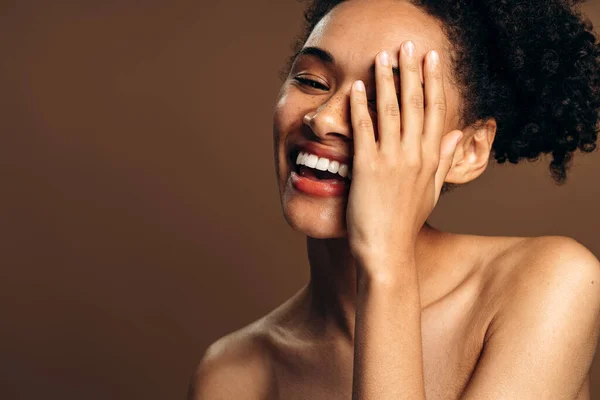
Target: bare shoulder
[545,319]
[538,271]
[236,366]
[539,297]
[240,365]
[544,265]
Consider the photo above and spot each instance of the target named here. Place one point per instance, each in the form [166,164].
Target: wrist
[389,270]
[399,251]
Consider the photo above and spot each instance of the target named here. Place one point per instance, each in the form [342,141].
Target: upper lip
[330,153]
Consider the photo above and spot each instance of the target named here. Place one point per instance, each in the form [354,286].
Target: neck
[331,292]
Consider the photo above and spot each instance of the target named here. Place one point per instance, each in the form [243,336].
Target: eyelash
[311,83]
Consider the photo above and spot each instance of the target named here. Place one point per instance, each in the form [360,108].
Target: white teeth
[333,167]
[323,164]
[343,170]
[311,161]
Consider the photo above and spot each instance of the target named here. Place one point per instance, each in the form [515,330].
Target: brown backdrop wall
[139,212]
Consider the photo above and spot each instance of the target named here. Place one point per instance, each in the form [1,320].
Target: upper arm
[542,341]
[232,368]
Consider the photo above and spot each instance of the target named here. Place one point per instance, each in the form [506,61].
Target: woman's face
[316,116]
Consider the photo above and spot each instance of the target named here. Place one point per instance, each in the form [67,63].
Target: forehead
[356,30]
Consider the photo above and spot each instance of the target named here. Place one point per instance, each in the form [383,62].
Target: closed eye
[311,83]
[317,85]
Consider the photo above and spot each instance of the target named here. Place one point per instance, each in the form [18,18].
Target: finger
[447,150]
[362,124]
[435,104]
[411,98]
[388,109]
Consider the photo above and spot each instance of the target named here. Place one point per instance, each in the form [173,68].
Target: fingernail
[359,86]
[410,48]
[384,57]
[459,137]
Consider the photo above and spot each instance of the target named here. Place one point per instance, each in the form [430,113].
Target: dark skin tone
[396,308]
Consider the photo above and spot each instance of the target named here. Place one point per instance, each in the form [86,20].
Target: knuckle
[433,163]
[364,123]
[440,105]
[391,110]
[416,101]
[413,162]
[387,75]
[370,165]
[360,100]
[412,67]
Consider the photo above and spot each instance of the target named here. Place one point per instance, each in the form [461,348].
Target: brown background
[138,204]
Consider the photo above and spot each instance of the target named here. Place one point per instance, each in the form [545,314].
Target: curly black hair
[533,65]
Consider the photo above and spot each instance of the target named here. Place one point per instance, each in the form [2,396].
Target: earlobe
[473,152]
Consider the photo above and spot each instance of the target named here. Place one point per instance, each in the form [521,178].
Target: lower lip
[319,188]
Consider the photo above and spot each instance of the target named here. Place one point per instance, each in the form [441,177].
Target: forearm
[388,362]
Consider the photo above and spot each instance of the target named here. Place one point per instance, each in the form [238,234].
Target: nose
[332,117]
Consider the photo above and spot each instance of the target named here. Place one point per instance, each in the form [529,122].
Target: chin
[319,218]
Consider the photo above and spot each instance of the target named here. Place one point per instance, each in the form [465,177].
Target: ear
[473,152]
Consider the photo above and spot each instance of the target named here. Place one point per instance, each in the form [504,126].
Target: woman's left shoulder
[526,276]
[540,299]
[547,278]
[532,260]
[558,260]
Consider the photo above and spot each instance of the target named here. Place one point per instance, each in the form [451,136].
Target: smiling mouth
[313,173]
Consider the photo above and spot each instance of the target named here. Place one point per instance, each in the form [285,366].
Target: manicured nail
[435,58]
[359,86]
[458,139]
[384,57]
[409,47]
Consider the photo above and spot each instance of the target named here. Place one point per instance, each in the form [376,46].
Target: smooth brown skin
[501,317]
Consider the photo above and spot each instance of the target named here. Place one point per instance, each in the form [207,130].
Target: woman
[386,105]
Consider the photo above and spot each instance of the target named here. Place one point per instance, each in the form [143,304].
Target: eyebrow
[327,58]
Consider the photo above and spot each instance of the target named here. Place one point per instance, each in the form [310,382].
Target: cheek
[288,113]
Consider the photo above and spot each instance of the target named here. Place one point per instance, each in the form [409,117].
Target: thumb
[447,150]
